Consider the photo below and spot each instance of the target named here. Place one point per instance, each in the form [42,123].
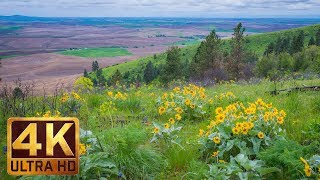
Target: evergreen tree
[318,37]
[85,73]
[270,49]
[115,78]
[207,56]
[237,57]
[95,66]
[297,43]
[99,72]
[311,41]
[171,69]
[149,72]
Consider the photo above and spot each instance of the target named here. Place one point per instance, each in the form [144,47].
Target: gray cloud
[209,8]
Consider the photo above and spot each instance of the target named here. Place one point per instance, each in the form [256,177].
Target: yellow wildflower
[215,154]
[167,125]
[173,104]
[82,149]
[261,135]
[178,117]
[280,120]
[216,140]
[219,110]
[156,130]
[171,120]
[165,95]
[187,102]
[201,132]
[307,170]
[162,110]
[192,106]
[235,130]
[220,117]
[176,89]
[75,95]
[179,110]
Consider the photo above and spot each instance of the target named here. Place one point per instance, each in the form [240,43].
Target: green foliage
[285,155]
[171,69]
[318,37]
[150,72]
[207,56]
[312,41]
[133,157]
[83,84]
[116,78]
[95,66]
[97,52]
[240,167]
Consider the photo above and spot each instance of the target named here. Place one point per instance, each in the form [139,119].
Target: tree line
[213,62]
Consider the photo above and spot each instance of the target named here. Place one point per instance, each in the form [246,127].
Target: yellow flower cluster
[47,114]
[307,168]
[242,118]
[65,97]
[118,95]
[107,107]
[182,100]
[228,95]
[83,148]
[242,127]
[75,95]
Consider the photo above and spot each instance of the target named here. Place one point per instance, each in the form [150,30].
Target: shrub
[285,154]
[237,134]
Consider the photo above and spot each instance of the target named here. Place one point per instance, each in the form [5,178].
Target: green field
[97,52]
[9,29]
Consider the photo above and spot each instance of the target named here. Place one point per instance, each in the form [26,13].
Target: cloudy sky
[162,8]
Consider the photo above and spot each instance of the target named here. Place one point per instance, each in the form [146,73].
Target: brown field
[35,44]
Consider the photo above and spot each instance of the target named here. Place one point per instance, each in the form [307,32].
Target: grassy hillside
[97,52]
[125,129]
[256,43]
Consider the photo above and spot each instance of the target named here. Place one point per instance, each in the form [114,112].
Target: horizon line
[193,17]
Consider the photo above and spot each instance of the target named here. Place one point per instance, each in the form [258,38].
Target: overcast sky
[162,8]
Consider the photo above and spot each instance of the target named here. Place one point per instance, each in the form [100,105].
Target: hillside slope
[255,43]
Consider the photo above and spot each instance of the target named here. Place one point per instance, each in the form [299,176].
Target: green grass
[10,56]
[9,29]
[129,145]
[97,52]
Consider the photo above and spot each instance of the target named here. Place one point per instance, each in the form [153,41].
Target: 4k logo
[43,146]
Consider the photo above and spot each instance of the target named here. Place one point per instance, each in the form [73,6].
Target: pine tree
[237,57]
[149,72]
[116,77]
[99,72]
[95,66]
[85,73]
[207,56]
[171,69]
[318,37]
[297,43]
[311,41]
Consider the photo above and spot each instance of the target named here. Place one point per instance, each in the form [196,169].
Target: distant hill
[256,43]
